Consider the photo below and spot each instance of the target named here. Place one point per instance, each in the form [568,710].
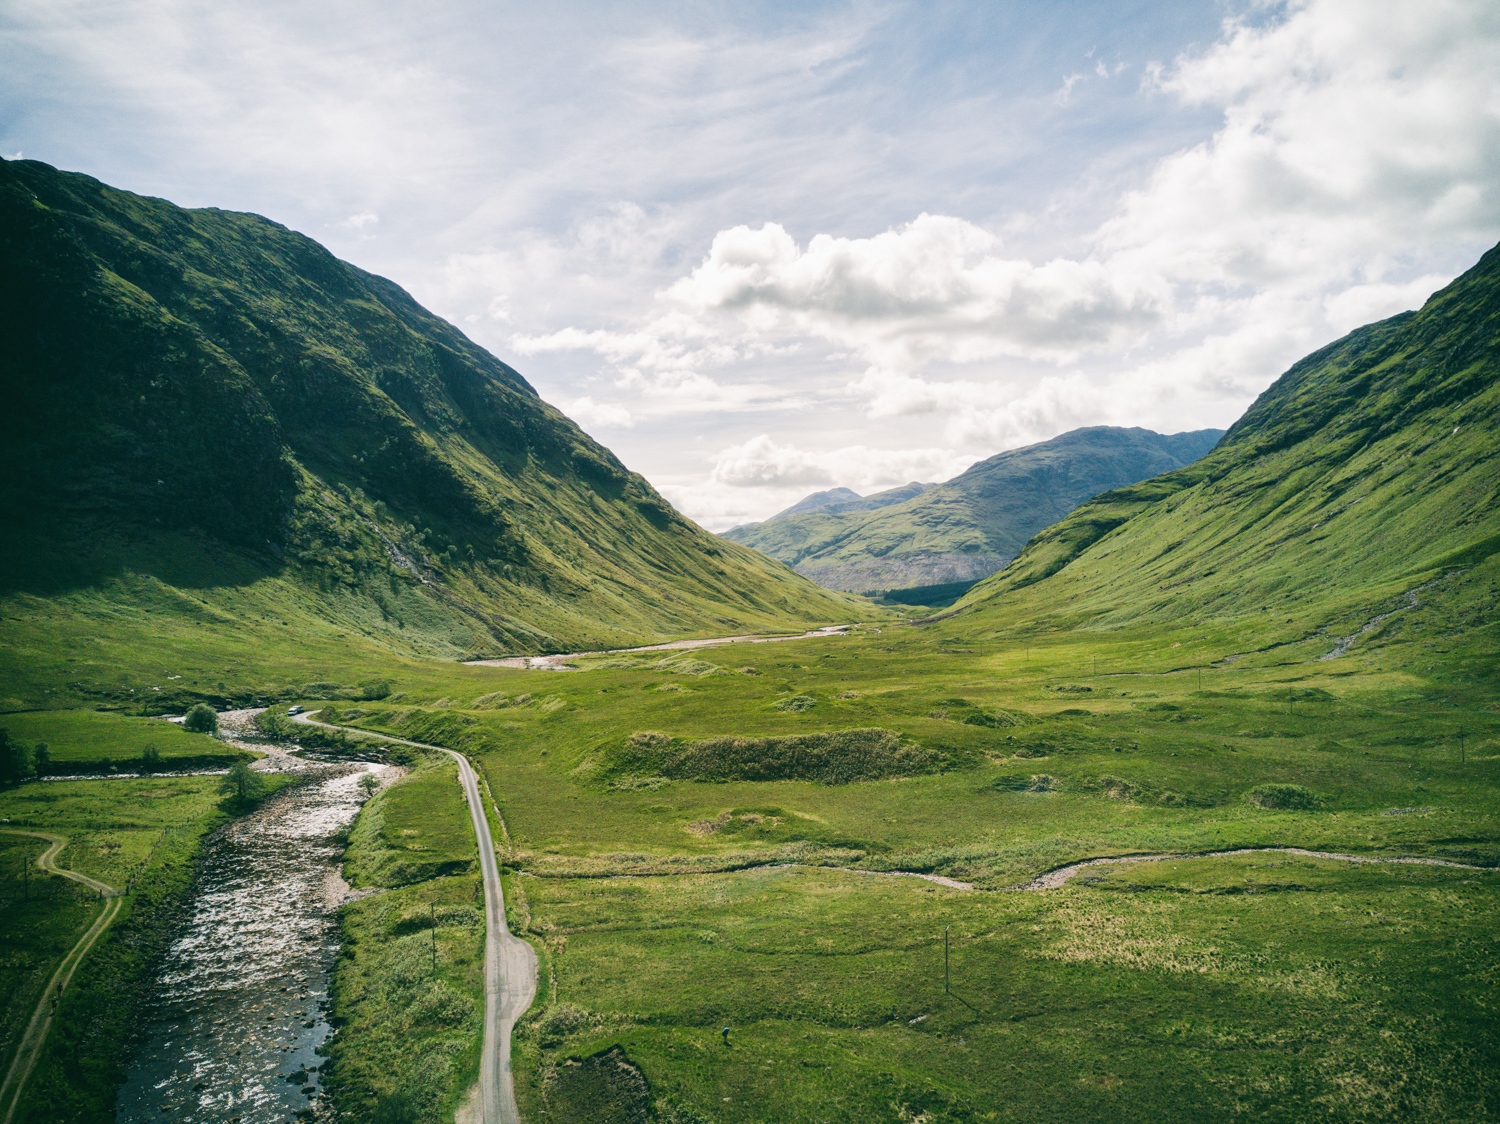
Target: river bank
[239,1010]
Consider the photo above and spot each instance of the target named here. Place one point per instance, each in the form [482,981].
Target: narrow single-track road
[509,962]
[30,1046]
[557,663]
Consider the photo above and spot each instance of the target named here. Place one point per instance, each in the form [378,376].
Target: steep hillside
[207,402]
[975,523]
[1365,474]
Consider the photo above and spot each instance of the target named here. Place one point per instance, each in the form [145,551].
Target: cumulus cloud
[1355,167]
[935,287]
[1354,132]
[760,461]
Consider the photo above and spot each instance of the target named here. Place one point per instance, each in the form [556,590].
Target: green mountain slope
[974,524]
[1365,473]
[207,410]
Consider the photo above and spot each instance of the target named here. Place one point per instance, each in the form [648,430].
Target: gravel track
[30,1046]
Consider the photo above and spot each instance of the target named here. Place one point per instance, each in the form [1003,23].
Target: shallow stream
[241,1002]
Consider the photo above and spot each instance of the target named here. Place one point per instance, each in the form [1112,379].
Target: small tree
[368,784]
[201,719]
[150,760]
[16,763]
[43,757]
[242,784]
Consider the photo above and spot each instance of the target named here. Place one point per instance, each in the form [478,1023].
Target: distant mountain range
[211,401]
[1361,486]
[922,535]
[837,500]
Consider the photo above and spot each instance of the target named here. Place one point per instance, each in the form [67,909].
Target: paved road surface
[509,962]
[30,1046]
[553,663]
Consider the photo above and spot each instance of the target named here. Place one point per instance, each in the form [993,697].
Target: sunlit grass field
[409,983]
[81,740]
[1269,986]
[138,835]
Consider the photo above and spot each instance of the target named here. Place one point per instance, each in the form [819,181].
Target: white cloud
[936,287]
[750,480]
[760,461]
[1364,304]
[1355,132]
[592,415]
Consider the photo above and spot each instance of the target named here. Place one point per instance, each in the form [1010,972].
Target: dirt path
[509,962]
[30,1046]
[1056,878]
[555,663]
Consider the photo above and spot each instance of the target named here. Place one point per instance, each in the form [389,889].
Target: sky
[761,249]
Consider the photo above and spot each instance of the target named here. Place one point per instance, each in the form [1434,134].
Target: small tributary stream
[241,1002]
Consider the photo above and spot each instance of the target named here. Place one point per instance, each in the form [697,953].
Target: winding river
[241,1002]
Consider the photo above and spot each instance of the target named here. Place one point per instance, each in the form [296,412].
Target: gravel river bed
[241,1000]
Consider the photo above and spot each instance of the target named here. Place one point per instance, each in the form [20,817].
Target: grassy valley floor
[674,888]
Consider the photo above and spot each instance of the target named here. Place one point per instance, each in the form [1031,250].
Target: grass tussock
[797,704]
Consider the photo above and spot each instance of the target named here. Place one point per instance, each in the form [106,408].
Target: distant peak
[820,500]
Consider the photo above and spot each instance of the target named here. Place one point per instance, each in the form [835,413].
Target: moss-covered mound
[832,757]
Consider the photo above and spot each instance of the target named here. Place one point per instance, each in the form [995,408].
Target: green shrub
[1283,797]
[201,719]
[150,760]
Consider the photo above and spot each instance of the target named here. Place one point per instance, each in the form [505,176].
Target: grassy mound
[1283,797]
[835,757]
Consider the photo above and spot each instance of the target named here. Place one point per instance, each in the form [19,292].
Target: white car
[294,710]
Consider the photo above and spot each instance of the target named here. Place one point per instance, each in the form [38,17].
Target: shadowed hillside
[205,402]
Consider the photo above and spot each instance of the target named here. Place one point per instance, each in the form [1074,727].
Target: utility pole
[945,959]
[1460,747]
[1200,679]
